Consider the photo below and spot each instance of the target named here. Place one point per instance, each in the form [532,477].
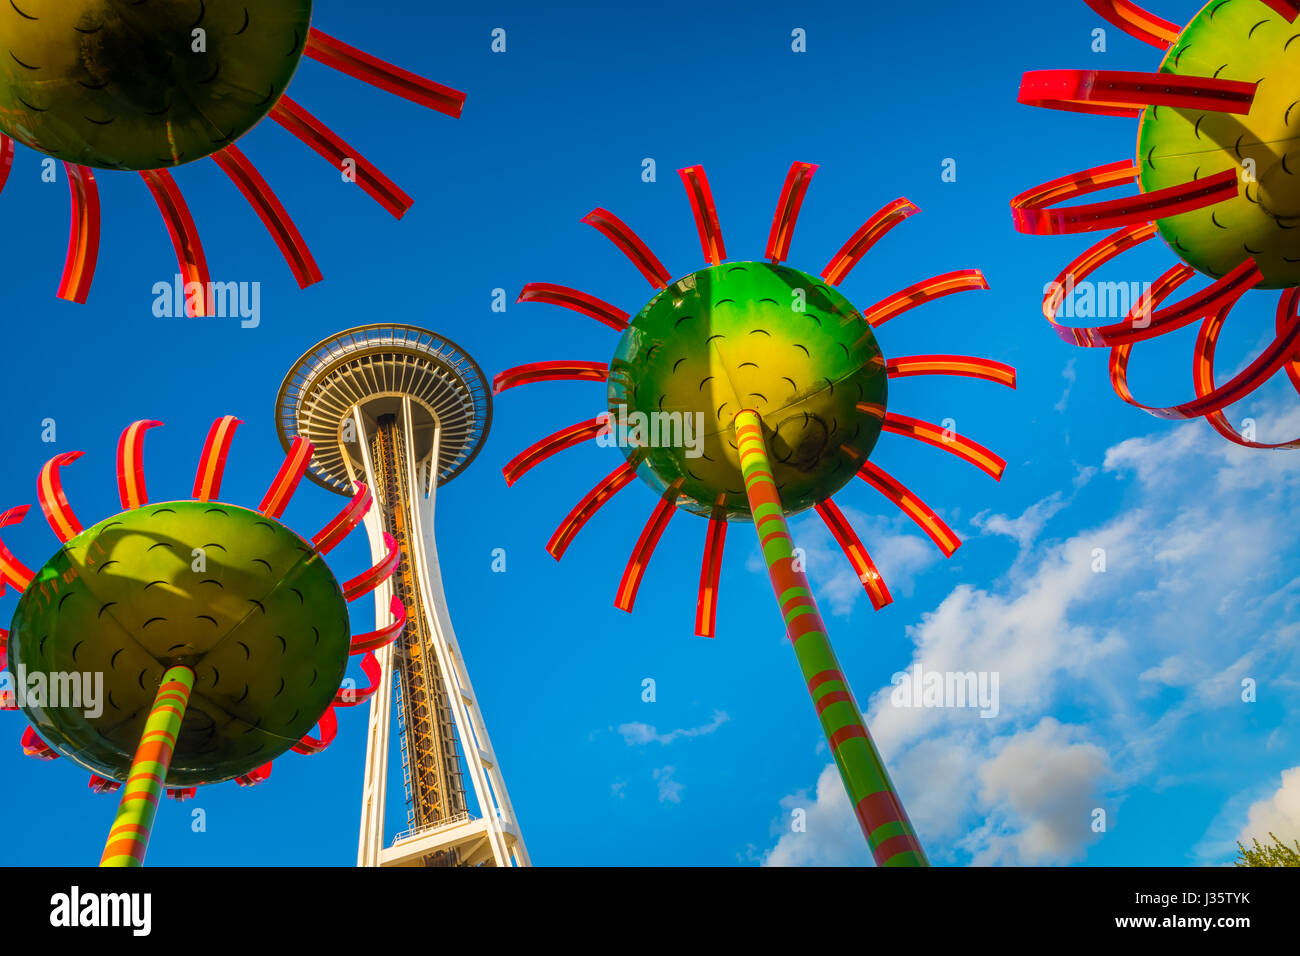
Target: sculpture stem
[129,837]
[884,822]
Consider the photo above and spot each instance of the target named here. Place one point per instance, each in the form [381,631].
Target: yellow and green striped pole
[129,838]
[889,833]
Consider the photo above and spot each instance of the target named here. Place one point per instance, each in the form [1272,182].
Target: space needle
[404,411]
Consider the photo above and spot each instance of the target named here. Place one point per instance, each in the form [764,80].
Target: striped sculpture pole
[129,837]
[889,833]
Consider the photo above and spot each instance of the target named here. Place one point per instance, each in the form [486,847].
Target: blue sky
[1120,691]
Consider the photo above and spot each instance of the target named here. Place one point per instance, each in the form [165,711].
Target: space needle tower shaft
[403,411]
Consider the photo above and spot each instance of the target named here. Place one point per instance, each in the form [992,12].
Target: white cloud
[1278,814]
[637,733]
[831,836]
[670,791]
[1173,671]
[1025,529]
[1070,376]
[1045,784]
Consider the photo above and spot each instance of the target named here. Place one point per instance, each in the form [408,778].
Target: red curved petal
[286,480]
[12,571]
[912,506]
[630,244]
[575,301]
[1210,399]
[272,213]
[1119,356]
[49,492]
[8,700]
[1204,371]
[185,237]
[706,216]
[645,548]
[954,444]
[254,777]
[1120,93]
[852,547]
[98,784]
[367,581]
[591,502]
[966,280]
[564,371]
[212,463]
[860,243]
[6,159]
[351,696]
[1139,23]
[342,524]
[329,728]
[34,746]
[373,640]
[706,604]
[348,59]
[787,210]
[967,366]
[83,235]
[1088,262]
[130,465]
[1032,212]
[537,453]
[1073,185]
[1141,324]
[339,154]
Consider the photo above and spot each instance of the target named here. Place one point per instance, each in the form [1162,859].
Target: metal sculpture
[221,635]
[1214,166]
[111,84]
[791,386]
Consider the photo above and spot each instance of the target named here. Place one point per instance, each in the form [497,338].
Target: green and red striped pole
[129,837]
[883,820]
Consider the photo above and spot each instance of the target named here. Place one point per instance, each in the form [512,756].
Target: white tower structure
[405,411]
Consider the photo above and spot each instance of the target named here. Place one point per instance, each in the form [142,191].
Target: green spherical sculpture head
[1247,41]
[244,602]
[126,84]
[747,335]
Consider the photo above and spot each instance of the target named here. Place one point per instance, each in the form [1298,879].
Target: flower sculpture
[790,389]
[120,85]
[222,637]
[1218,177]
